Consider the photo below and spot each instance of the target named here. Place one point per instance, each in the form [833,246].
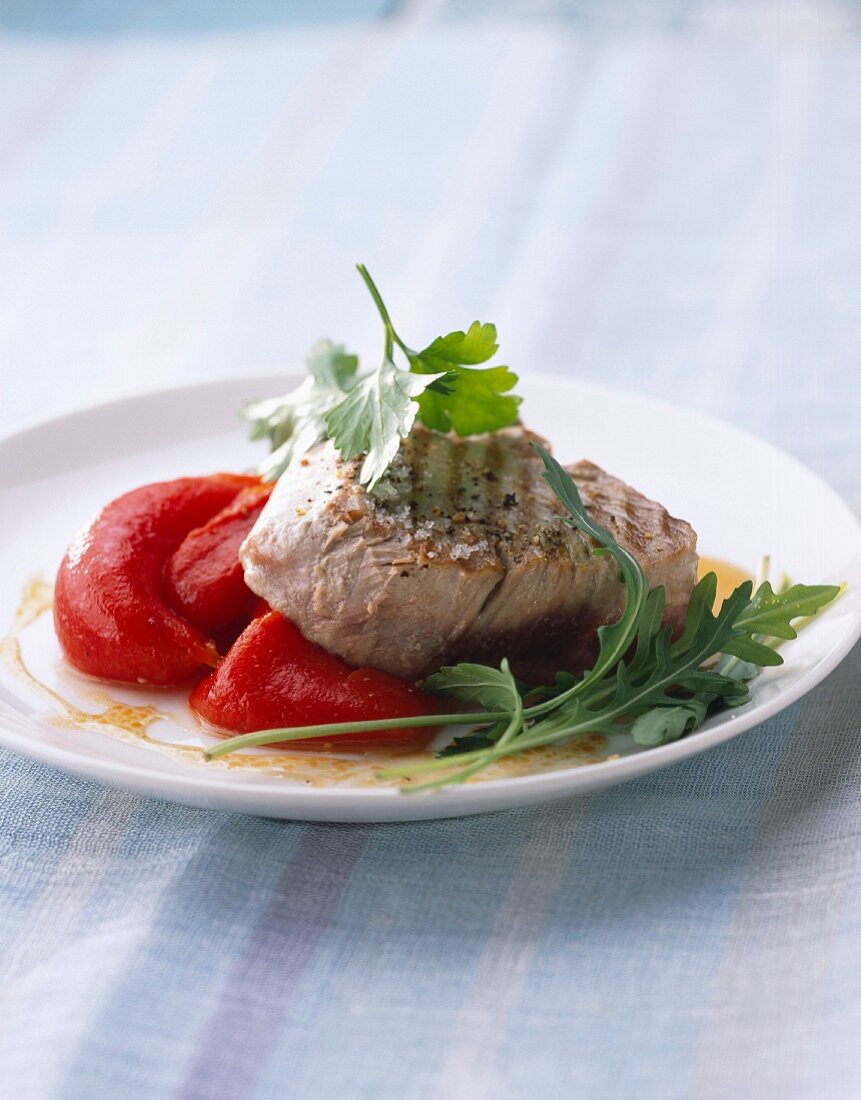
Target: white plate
[744,497]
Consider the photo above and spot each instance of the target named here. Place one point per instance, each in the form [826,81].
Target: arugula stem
[510,742]
[516,722]
[514,727]
[617,638]
[526,741]
[486,756]
[333,729]
[479,758]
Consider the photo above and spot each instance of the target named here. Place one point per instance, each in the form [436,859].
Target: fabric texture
[663,197]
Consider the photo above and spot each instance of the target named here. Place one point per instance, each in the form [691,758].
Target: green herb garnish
[441,386]
[642,682]
[295,422]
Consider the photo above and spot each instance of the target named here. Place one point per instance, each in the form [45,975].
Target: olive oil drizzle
[729,576]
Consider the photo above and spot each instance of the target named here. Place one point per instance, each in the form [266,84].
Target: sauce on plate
[729,576]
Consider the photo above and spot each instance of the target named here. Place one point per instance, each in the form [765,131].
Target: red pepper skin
[273,676]
[203,579]
[110,614]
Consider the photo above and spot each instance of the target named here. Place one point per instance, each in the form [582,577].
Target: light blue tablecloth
[666,197]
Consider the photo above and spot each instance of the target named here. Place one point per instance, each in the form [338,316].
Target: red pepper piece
[273,677]
[204,579]
[109,609]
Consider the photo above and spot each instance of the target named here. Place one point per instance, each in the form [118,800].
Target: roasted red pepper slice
[204,578]
[110,612]
[273,676]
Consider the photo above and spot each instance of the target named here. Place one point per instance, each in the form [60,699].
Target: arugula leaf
[295,422]
[469,743]
[702,600]
[753,652]
[668,688]
[661,725]
[613,640]
[374,416]
[771,613]
[503,735]
[479,685]
[665,691]
[651,623]
[736,669]
[667,677]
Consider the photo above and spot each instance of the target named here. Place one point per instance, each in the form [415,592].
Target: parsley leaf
[375,415]
[295,422]
[476,345]
[331,365]
[462,399]
[369,415]
[469,400]
[476,401]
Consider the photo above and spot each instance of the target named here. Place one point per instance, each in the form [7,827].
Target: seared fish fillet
[457,555]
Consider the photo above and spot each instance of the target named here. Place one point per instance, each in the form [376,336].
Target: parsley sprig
[442,386]
[643,682]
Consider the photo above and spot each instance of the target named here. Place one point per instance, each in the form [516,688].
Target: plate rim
[194,780]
